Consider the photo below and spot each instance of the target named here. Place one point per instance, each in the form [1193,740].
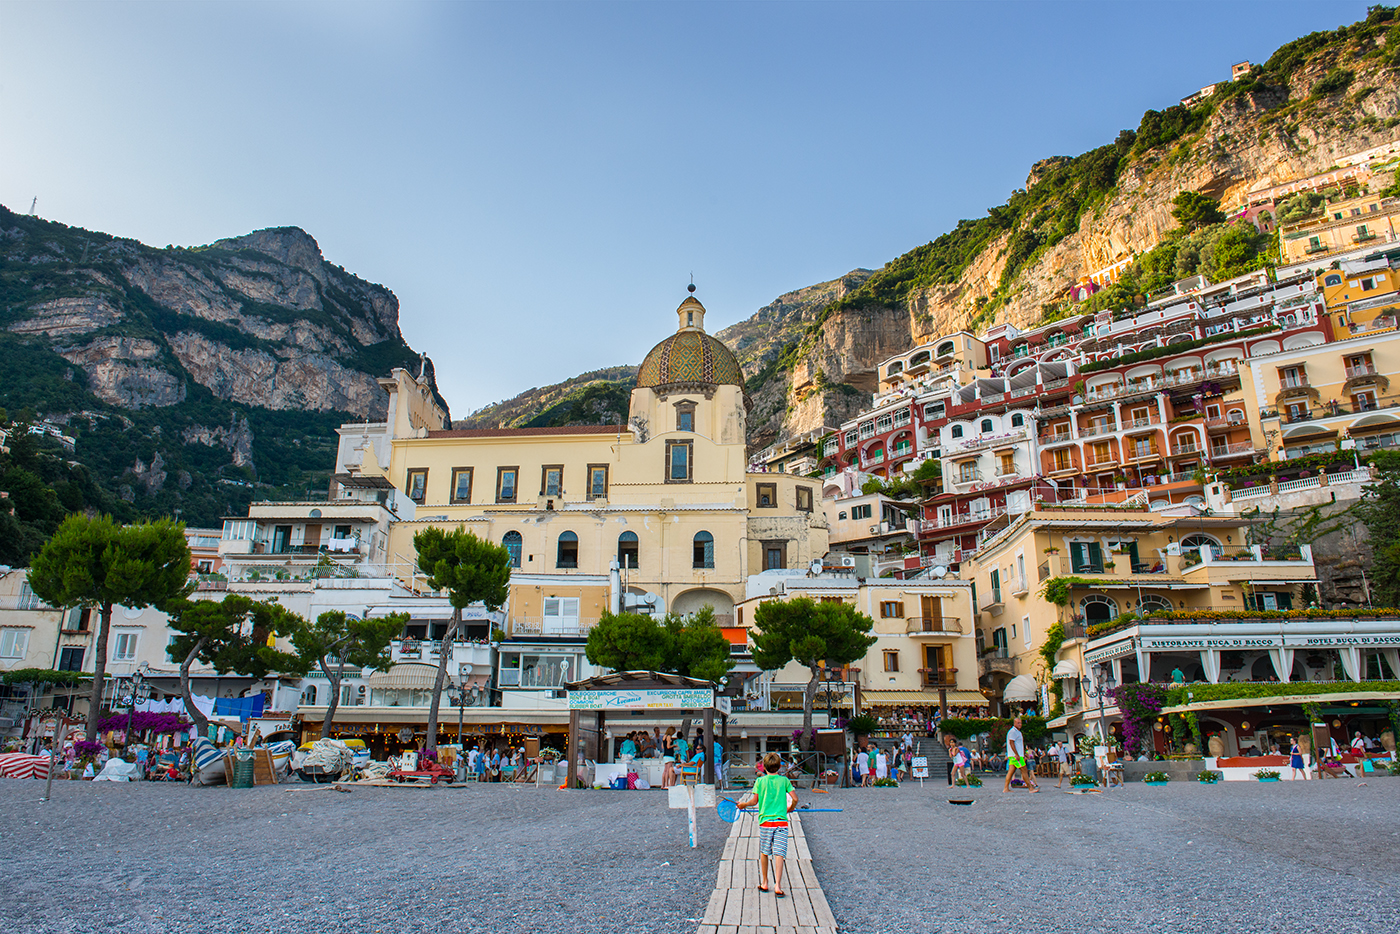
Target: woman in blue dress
[1295,760]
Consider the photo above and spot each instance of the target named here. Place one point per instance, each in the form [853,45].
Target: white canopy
[1021,688]
[1065,669]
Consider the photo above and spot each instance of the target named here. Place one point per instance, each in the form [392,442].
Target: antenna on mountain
[33,204]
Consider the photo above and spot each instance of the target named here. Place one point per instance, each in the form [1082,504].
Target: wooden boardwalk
[738,907]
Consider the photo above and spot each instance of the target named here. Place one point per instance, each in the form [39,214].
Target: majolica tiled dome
[690,356]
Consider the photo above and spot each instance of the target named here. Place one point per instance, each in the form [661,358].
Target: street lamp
[1097,689]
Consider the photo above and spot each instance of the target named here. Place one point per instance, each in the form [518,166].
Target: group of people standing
[487,765]
[673,749]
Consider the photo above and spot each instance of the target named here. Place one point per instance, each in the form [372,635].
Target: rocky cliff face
[1294,124]
[201,340]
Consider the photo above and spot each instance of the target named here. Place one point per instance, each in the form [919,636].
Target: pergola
[623,692]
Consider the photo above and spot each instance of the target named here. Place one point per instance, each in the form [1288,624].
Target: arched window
[1196,541]
[308,696]
[1332,280]
[627,550]
[957,431]
[568,551]
[704,550]
[945,348]
[986,425]
[1098,609]
[513,544]
[1018,420]
[1153,603]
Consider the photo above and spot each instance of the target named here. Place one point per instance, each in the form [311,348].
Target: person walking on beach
[863,767]
[1295,760]
[775,798]
[1016,758]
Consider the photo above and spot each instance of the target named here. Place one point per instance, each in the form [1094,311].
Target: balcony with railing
[1383,323]
[551,626]
[1143,452]
[1102,428]
[1189,448]
[1106,460]
[944,678]
[968,475]
[993,440]
[959,519]
[933,625]
[1225,451]
[996,661]
[1147,422]
[1360,369]
[1056,437]
[1295,381]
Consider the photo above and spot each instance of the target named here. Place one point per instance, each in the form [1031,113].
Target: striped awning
[919,698]
[406,676]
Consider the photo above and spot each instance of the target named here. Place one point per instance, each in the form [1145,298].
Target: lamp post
[1096,689]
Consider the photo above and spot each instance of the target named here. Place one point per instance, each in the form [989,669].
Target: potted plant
[1082,782]
[1108,565]
[1266,775]
[1207,777]
[886,783]
[972,781]
[1052,550]
[1156,778]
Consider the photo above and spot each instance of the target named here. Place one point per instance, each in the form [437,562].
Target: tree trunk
[809,700]
[444,656]
[99,672]
[197,716]
[334,679]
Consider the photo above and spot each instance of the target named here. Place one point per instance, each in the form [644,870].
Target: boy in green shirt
[775,798]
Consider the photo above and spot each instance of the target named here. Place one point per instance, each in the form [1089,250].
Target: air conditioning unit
[848,561]
[874,530]
[360,690]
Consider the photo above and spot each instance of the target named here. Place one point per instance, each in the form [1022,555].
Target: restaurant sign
[1248,643]
[1109,652]
[648,699]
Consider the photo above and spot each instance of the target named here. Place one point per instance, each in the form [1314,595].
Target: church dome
[690,355]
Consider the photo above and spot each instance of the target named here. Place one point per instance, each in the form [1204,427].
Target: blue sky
[537,182]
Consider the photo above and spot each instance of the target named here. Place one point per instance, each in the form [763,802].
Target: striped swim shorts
[773,841]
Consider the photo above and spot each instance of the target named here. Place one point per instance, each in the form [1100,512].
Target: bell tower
[691,314]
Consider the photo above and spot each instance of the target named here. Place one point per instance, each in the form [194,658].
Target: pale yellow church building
[666,496]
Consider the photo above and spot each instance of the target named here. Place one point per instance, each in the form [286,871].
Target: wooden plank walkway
[738,907]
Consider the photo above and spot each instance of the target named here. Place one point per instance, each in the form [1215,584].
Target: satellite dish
[939,571]
[817,566]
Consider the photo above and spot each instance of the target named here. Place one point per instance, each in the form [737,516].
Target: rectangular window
[767,495]
[867,430]
[462,485]
[1026,630]
[685,416]
[70,658]
[14,643]
[861,512]
[891,609]
[125,650]
[996,586]
[884,423]
[1063,461]
[774,555]
[678,466]
[852,439]
[597,481]
[892,659]
[79,618]
[552,479]
[418,484]
[804,498]
[506,484]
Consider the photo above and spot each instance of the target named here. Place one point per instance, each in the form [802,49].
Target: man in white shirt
[1062,756]
[1016,758]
